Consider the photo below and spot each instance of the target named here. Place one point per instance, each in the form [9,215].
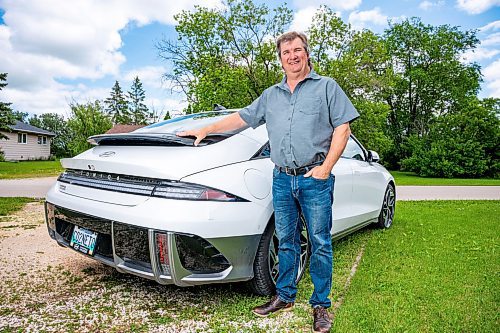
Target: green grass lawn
[410,178]
[436,270]
[10,205]
[28,169]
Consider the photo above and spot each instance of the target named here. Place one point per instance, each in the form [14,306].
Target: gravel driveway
[47,288]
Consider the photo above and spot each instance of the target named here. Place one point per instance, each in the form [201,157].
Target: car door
[342,196]
[366,183]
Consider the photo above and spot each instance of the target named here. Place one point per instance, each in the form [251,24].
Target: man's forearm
[339,140]
[227,124]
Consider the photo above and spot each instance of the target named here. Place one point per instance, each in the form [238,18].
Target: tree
[359,62]
[86,120]
[56,124]
[21,116]
[6,116]
[138,111]
[430,80]
[225,56]
[460,144]
[116,106]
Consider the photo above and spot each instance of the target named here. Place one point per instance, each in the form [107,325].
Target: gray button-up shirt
[300,125]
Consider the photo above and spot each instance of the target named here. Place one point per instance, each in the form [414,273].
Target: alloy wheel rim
[388,207]
[273,253]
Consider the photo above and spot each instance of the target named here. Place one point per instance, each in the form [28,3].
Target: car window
[353,150]
[263,152]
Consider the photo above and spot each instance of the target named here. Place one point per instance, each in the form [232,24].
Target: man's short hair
[288,37]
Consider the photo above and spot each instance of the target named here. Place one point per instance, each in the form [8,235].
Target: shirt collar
[311,75]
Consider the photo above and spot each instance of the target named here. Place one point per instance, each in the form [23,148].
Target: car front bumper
[188,259]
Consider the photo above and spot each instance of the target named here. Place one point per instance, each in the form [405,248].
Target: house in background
[26,142]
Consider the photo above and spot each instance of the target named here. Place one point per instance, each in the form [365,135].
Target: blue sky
[59,51]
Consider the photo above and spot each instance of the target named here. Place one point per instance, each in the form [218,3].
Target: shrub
[464,144]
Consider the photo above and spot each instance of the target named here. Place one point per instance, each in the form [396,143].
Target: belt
[298,171]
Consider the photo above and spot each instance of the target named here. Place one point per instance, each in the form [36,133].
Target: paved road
[38,187]
[448,192]
[27,187]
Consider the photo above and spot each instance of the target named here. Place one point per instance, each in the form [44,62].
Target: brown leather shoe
[322,322]
[274,305]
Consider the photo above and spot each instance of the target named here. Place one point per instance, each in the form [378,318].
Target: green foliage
[6,115]
[21,116]
[430,80]
[138,111]
[225,56]
[116,106]
[461,144]
[86,120]
[369,127]
[56,124]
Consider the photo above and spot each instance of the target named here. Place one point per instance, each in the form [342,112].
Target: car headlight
[186,191]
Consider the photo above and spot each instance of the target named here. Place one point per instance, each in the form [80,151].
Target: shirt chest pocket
[308,105]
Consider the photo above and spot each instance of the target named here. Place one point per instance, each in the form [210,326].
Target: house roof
[19,126]
[121,128]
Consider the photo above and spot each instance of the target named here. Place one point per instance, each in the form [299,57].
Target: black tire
[266,263]
[388,207]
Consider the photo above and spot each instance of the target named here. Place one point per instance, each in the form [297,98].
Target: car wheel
[388,206]
[266,264]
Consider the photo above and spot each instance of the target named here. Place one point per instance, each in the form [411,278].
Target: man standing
[307,118]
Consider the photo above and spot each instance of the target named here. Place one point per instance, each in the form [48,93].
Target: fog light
[162,253]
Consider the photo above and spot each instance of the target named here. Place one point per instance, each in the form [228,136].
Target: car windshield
[186,123]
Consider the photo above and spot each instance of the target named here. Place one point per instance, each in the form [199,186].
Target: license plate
[83,240]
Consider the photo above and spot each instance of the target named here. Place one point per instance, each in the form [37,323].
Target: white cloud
[426,5]
[492,39]
[43,42]
[150,76]
[479,54]
[335,4]
[302,19]
[492,78]
[360,20]
[491,26]
[476,6]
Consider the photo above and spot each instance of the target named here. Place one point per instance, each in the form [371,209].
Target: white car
[151,204]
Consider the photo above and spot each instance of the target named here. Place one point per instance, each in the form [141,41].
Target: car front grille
[110,181]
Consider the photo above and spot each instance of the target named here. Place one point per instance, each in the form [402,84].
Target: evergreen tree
[139,112]
[6,115]
[116,106]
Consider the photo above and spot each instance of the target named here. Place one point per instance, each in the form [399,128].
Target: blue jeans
[313,198]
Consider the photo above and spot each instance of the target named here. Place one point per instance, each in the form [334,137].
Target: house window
[42,140]
[22,138]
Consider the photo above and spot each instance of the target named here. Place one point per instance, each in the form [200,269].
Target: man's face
[294,57]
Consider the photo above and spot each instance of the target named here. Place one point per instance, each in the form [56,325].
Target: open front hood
[163,162]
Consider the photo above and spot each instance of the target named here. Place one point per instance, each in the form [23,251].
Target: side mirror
[373,156]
